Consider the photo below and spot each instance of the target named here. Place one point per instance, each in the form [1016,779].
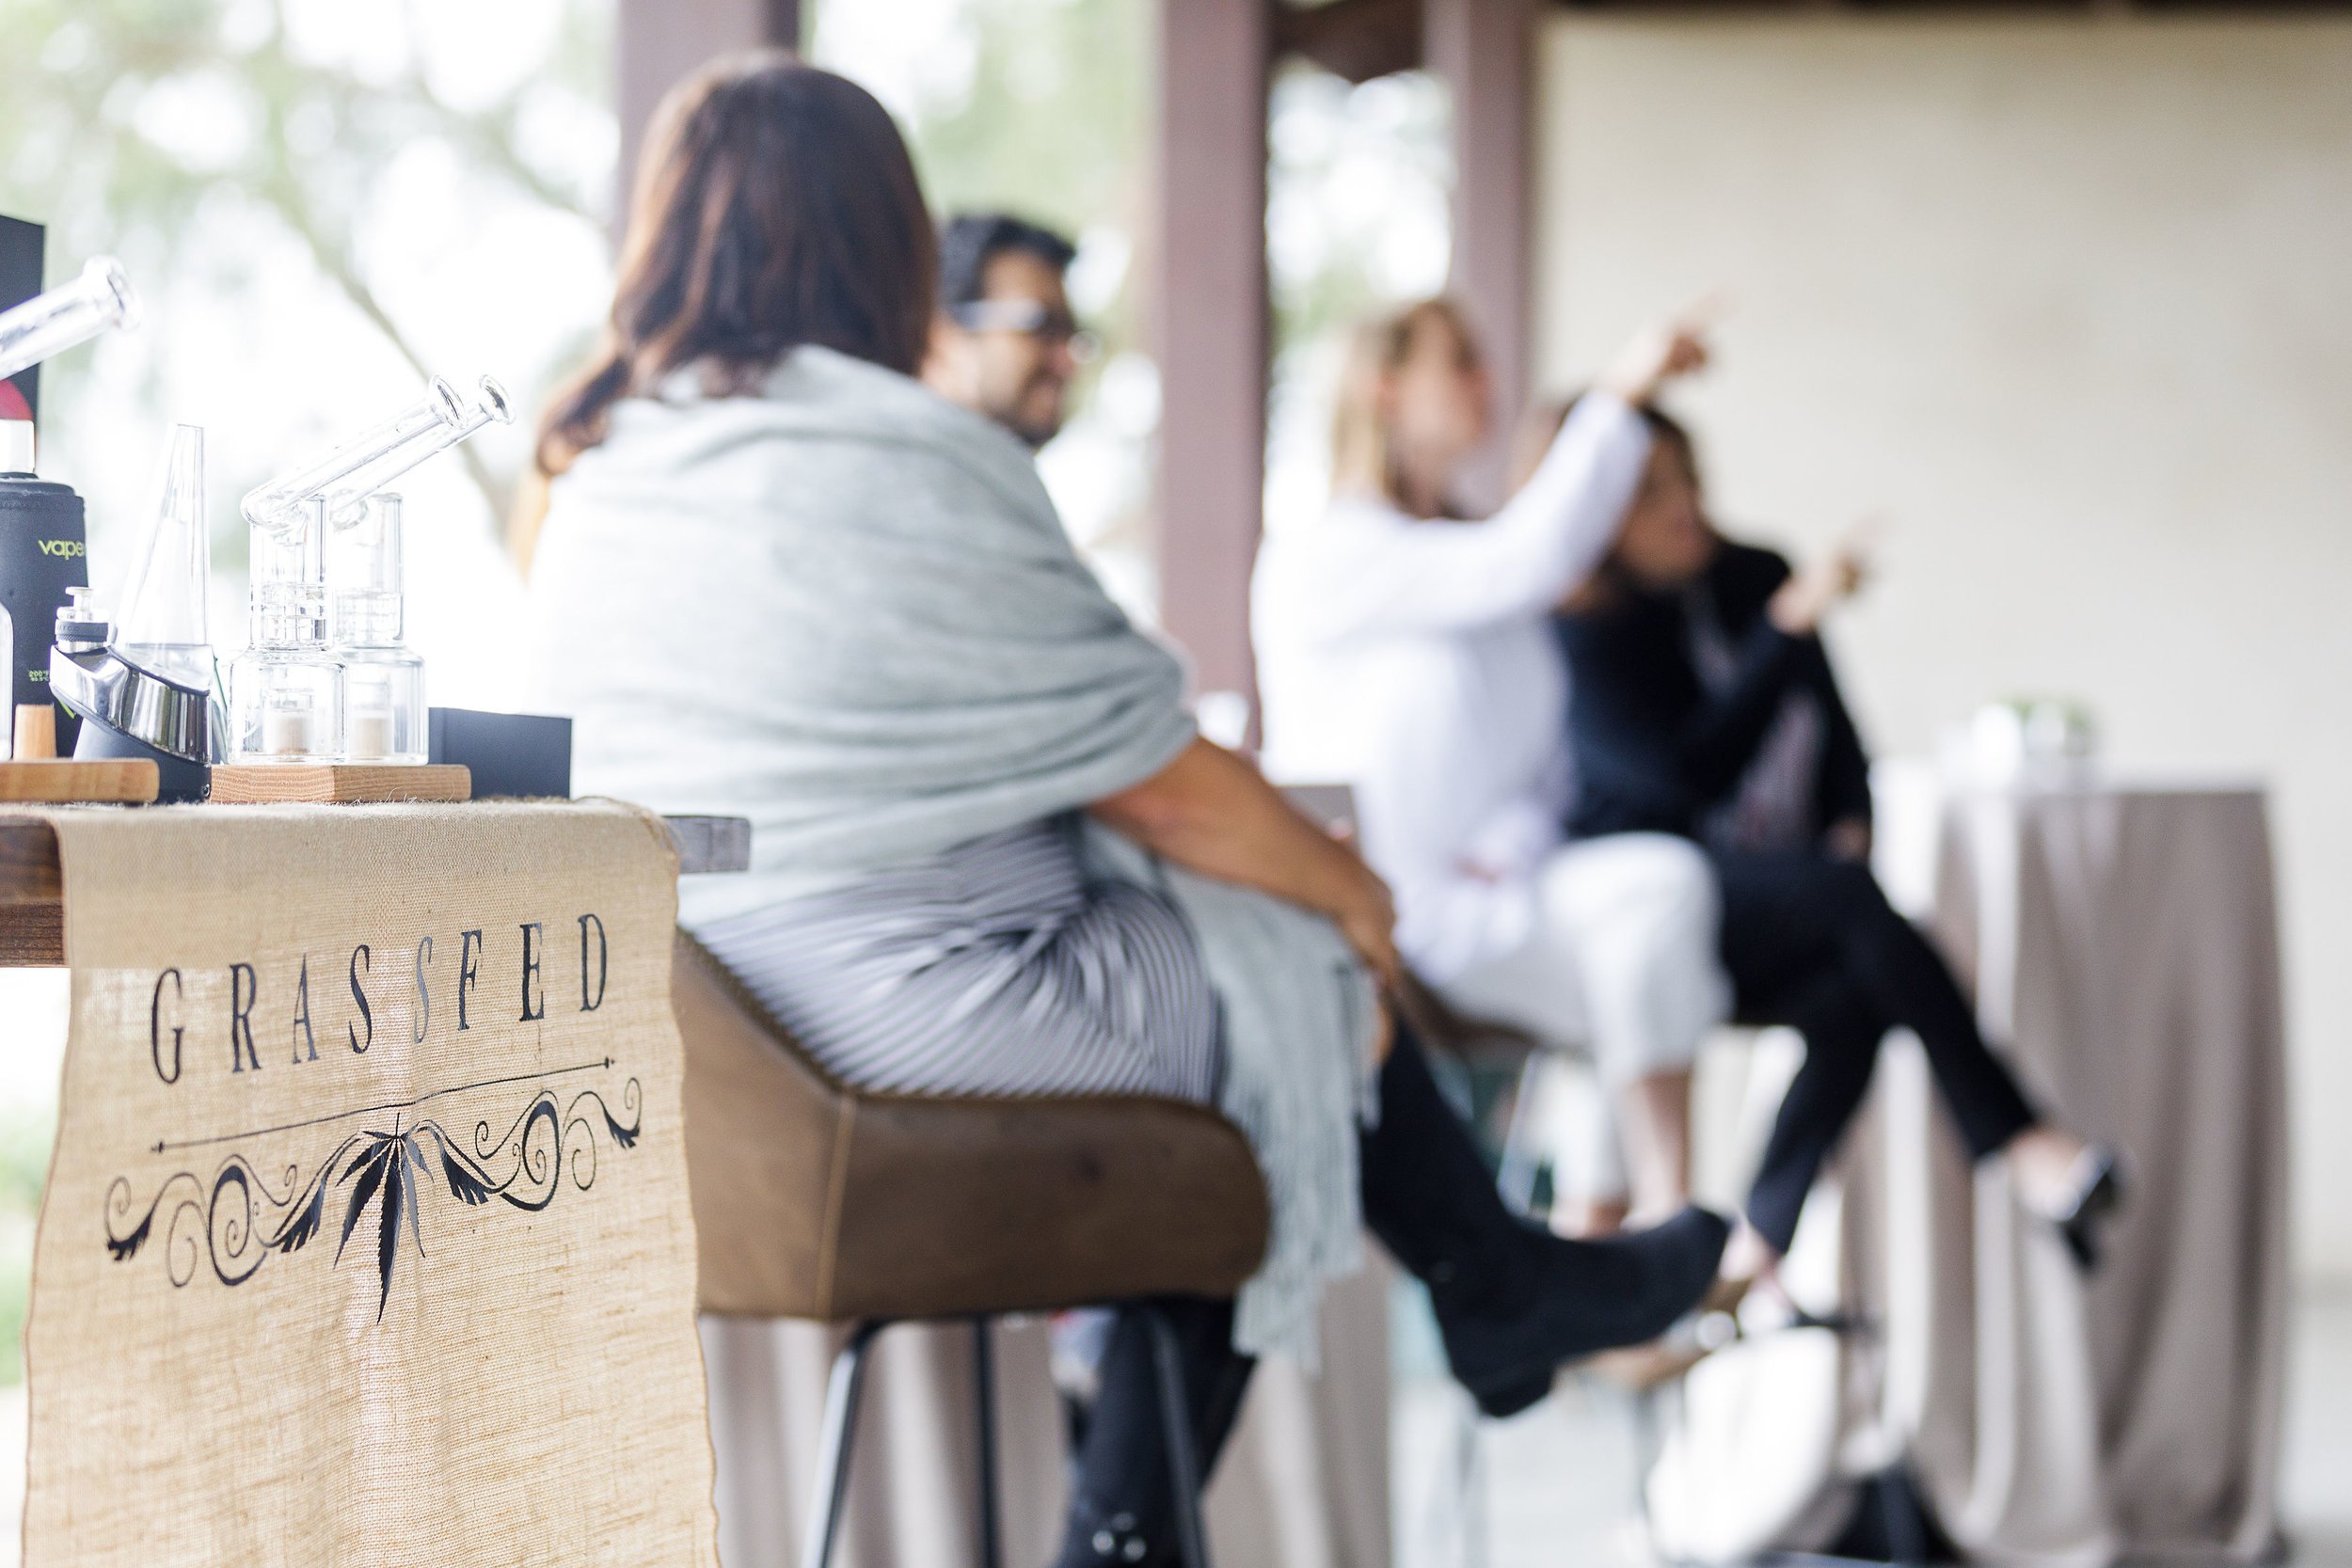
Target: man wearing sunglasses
[1006,344]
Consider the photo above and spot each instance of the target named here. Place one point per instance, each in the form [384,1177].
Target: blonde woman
[1404,650]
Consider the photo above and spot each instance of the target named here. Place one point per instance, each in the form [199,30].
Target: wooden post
[1210,321]
[1484,51]
[657,42]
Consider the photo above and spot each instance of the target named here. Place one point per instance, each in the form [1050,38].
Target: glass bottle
[382,702]
[282,688]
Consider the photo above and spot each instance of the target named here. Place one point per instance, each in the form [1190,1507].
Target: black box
[20,280]
[513,755]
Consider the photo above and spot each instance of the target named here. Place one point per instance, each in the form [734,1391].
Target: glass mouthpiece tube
[280,505]
[347,498]
[49,323]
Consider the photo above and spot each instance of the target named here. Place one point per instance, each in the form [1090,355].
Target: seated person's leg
[1842,1032]
[1910,981]
[1578,1132]
[1783,945]
[2058,1175]
[1122,1509]
[1513,1302]
[1638,914]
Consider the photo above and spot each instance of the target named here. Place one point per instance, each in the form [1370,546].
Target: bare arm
[1211,812]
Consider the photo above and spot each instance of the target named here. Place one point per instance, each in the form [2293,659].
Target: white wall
[2072,299]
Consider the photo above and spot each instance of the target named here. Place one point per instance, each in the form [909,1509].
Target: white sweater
[1411,662]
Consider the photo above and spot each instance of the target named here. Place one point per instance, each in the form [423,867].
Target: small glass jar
[284,707]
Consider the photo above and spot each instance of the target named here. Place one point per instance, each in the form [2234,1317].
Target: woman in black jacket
[1705,705]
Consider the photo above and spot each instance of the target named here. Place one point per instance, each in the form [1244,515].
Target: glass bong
[287,690]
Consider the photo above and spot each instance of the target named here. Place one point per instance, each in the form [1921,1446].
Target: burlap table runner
[366,1239]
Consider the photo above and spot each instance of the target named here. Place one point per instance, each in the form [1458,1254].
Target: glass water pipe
[319,552]
[49,323]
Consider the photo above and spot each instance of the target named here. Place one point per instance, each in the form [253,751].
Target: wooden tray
[67,780]
[266,783]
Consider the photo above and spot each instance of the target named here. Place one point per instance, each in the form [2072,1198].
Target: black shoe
[1572,1299]
[2097,1195]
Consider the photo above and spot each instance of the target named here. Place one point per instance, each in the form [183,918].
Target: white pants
[1622,964]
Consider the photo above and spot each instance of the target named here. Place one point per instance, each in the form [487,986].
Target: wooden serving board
[67,780]
[269,784]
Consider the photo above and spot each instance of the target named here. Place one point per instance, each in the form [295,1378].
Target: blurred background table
[2121,935]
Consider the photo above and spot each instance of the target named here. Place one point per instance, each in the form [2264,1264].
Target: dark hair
[1610,585]
[969,240]
[1540,427]
[776,207]
[1673,432]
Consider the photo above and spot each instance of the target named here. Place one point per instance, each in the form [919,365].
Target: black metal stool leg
[1184,1463]
[984,1398]
[842,1392]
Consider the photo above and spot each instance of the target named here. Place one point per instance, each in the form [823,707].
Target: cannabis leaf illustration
[383,1165]
[305,1221]
[237,1217]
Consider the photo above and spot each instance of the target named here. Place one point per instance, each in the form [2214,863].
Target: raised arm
[1543,542]
[1395,573]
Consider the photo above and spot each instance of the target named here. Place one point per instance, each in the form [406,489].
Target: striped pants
[993,969]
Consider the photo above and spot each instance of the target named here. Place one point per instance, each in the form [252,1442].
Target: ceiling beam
[1356,40]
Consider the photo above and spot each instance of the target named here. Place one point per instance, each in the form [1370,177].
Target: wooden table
[32,888]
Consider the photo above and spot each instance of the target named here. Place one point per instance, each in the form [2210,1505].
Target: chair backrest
[814,1200]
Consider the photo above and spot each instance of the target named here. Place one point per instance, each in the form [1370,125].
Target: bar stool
[820,1201]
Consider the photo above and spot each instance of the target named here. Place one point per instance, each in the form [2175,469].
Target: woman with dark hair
[1704,706]
[779,579]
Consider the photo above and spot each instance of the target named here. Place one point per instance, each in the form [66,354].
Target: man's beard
[1034,430]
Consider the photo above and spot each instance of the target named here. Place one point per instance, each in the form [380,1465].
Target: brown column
[1484,51]
[656,42]
[1210,325]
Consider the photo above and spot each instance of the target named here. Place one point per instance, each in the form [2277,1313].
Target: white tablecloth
[2122,942]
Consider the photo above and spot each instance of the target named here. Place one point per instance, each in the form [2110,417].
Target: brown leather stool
[815,1200]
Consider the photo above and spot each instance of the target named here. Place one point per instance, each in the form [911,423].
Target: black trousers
[1811,942]
[1430,1198]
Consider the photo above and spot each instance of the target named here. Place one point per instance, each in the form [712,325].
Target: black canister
[44,551]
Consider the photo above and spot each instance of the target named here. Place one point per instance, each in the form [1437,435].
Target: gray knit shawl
[845,609]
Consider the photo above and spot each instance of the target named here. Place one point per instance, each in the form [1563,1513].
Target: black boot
[1514,1301]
